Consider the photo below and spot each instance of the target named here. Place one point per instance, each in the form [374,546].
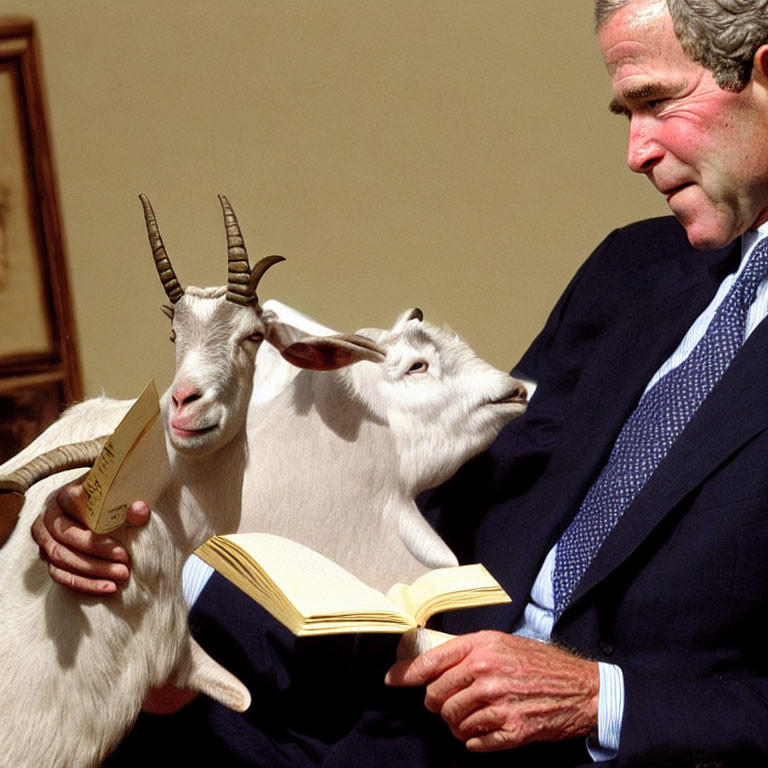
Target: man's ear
[760,63]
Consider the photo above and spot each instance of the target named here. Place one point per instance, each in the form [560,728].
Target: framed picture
[39,371]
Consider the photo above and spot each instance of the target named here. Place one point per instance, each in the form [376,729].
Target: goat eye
[420,366]
[256,337]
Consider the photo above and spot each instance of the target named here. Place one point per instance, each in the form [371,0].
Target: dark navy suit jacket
[677,596]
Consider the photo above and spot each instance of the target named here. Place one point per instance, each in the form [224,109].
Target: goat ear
[328,353]
[414,313]
[279,334]
[321,353]
[206,675]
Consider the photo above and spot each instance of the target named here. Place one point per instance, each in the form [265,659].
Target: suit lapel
[733,413]
[610,387]
[611,384]
[723,424]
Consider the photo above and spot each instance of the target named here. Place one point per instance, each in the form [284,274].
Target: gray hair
[721,35]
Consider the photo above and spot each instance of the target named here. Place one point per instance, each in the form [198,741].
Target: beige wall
[457,156]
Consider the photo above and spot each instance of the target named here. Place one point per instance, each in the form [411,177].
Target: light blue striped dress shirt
[538,617]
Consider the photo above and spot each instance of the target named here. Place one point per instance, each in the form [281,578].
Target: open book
[312,595]
[133,464]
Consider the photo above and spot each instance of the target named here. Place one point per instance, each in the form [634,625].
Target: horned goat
[334,458]
[74,670]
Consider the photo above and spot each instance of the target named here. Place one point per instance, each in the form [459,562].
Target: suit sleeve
[685,722]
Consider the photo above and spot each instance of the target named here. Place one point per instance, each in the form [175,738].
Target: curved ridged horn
[172,287]
[238,268]
[72,456]
[259,269]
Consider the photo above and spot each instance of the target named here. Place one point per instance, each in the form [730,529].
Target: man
[627,511]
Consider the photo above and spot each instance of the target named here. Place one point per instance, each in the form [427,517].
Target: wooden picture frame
[39,369]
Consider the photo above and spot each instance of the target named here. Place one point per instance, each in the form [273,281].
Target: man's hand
[78,558]
[498,691]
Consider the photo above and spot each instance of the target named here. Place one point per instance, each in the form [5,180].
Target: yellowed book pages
[311,594]
[446,589]
[132,465]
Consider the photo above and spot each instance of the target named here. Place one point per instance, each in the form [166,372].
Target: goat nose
[520,392]
[185,395]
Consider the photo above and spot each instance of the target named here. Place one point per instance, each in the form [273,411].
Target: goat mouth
[517,395]
[179,432]
[511,400]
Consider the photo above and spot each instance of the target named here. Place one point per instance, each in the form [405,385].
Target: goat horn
[239,270]
[259,269]
[162,263]
[72,456]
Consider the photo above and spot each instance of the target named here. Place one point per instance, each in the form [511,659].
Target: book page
[311,594]
[320,589]
[445,589]
[132,465]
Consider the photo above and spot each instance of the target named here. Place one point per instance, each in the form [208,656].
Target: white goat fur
[343,454]
[336,459]
[75,670]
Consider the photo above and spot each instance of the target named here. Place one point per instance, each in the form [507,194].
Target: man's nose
[643,149]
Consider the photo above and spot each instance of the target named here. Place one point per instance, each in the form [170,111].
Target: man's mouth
[671,191]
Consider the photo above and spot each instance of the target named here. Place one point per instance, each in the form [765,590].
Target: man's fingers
[77,557]
[71,500]
[459,702]
[83,565]
[59,524]
[138,513]
[62,557]
[491,742]
[427,666]
[64,533]
[81,583]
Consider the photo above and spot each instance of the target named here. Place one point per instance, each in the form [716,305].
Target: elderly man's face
[703,148]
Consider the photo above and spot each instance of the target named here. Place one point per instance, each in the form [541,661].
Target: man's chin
[707,234]
[708,243]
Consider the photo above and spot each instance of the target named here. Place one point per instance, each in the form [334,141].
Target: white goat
[75,670]
[343,453]
[335,459]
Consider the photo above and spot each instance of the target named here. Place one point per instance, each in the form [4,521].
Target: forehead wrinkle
[635,93]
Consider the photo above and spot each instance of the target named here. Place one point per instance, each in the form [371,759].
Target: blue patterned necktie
[651,429]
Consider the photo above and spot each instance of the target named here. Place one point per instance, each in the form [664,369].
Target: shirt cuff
[194,577]
[610,713]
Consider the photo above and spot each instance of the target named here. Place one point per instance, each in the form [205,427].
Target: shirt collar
[751,237]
